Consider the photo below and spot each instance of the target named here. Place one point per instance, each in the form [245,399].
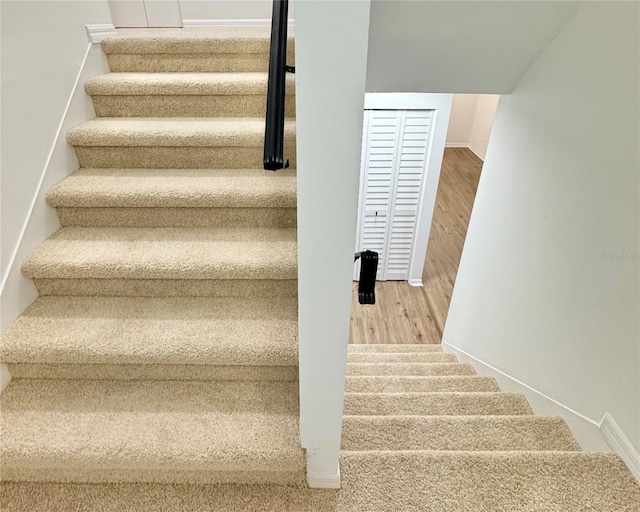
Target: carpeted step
[486,481]
[154,431]
[176,197]
[435,404]
[386,357]
[376,481]
[184,94]
[395,348]
[264,288]
[225,49]
[165,253]
[409,369]
[471,433]
[174,143]
[185,338]
[357,384]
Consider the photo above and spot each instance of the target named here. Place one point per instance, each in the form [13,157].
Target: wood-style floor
[408,314]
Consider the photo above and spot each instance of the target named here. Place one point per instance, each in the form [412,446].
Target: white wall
[463,113]
[471,121]
[483,123]
[538,294]
[45,56]
[229,9]
[458,47]
[331,37]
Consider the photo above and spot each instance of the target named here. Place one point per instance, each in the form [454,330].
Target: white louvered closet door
[395,153]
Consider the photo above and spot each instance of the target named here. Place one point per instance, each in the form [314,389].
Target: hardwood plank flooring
[408,314]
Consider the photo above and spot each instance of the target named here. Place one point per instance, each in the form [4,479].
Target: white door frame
[145,13]
[441,105]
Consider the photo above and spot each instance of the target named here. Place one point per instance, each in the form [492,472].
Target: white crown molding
[230,23]
[620,444]
[97,33]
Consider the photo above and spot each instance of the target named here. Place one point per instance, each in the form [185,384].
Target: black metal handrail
[276,89]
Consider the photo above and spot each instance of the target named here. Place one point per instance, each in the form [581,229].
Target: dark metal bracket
[368,272]
[290,69]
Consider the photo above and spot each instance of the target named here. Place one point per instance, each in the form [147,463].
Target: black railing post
[276,89]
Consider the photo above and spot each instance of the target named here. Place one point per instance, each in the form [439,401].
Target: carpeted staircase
[163,346]
[162,352]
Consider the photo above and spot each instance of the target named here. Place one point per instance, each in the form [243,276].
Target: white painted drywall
[483,123]
[331,37]
[43,46]
[463,113]
[471,121]
[458,47]
[229,9]
[547,289]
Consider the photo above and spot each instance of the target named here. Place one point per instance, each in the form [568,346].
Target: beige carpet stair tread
[181,188]
[201,84]
[488,481]
[138,330]
[415,369]
[166,253]
[386,357]
[471,433]
[174,132]
[151,426]
[376,481]
[245,40]
[392,384]
[395,348]
[436,404]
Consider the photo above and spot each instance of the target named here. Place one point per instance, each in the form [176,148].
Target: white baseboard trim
[620,444]
[476,152]
[584,429]
[324,481]
[230,23]
[415,282]
[96,33]
[465,145]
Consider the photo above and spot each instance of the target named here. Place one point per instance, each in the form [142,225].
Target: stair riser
[395,348]
[179,157]
[178,217]
[169,287]
[224,47]
[95,475]
[187,63]
[437,404]
[402,358]
[432,385]
[186,106]
[417,370]
[482,434]
[153,372]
